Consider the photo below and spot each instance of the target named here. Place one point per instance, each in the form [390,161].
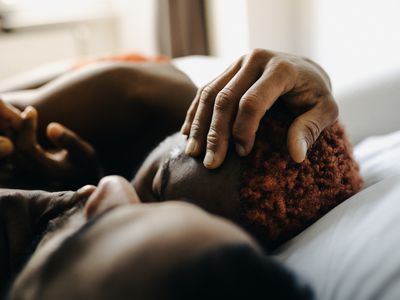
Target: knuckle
[195,128]
[238,134]
[207,94]
[312,129]
[224,100]
[333,109]
[257,54]
[249,104]
[283,66]
[213,138]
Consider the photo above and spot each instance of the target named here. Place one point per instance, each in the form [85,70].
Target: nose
[111,191]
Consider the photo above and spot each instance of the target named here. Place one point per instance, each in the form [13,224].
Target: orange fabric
[128,57]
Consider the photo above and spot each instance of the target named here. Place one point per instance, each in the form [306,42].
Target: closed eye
[160,180]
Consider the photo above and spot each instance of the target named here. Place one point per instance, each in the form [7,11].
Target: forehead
[216,190]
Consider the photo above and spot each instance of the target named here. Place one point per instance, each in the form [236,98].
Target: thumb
[6,147]
[78,149]
[305,130]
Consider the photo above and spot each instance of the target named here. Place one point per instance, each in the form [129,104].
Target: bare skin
[175,232]
[168,173]
[232,105]
[72,100]
[229,107]
[119,108]
[75,161]
[23,215]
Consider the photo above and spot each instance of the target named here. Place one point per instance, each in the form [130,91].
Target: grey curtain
[182,27]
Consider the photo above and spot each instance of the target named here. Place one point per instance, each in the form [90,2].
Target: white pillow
[379,157]
[372,107]
[353,252]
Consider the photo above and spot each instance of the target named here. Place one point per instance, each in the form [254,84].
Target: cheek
[216,191]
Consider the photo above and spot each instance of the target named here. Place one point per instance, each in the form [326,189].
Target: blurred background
[354,41]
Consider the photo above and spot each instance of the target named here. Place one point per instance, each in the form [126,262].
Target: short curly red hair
[279,197]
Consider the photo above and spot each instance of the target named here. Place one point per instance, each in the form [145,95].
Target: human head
[128,250]
[266,192]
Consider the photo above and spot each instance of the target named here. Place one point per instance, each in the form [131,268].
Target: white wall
[228,30]
[27,49]
[136,22]
[354,41]
[272,24]
[101,27]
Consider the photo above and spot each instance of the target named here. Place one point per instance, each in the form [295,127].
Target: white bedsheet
[353,252]
[379,157]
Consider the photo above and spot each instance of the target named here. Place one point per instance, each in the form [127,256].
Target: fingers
[62,137]
[6,147]
[225,109]
[306,128]
[190,114]
[235,103]
[9,116]
[10,119]
[275,81]
[202,118]
[112,191]
[27,134]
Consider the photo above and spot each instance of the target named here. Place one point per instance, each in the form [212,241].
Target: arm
[122,109]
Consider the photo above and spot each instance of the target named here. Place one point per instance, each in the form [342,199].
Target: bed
[353,251]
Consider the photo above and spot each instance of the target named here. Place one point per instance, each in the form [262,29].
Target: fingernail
[184,128]
[302,150]
[55,130]
[191,147]
[29,112]
[209,159]
[240,150]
